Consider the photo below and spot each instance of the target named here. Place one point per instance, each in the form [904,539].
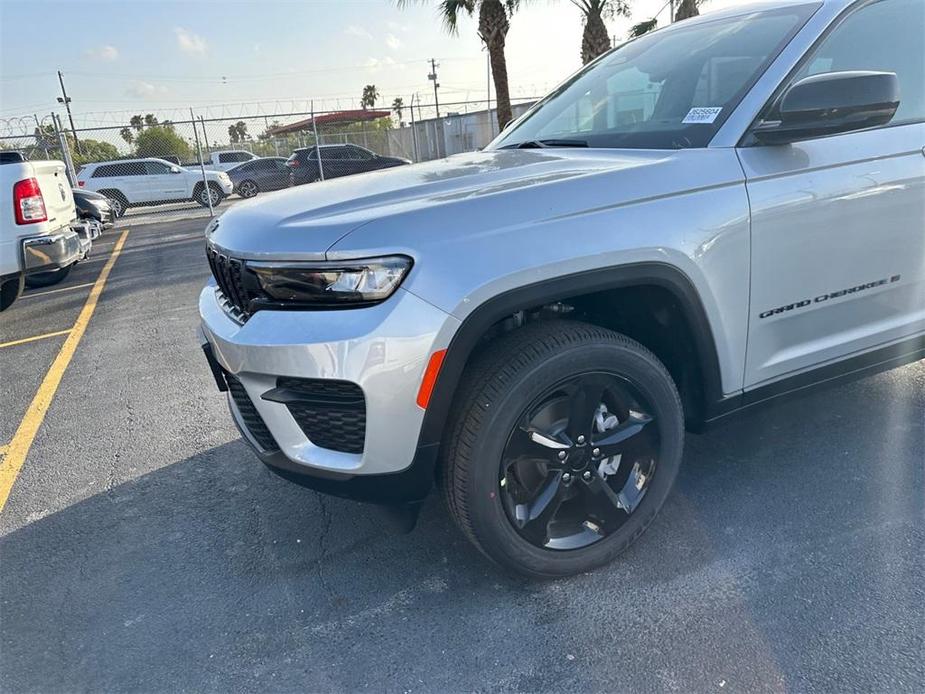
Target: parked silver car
[712,216]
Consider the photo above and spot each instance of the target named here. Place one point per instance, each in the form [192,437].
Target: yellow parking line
[34,338]
[19,445]
[55,291]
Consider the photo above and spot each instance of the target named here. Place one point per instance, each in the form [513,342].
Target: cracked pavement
[143,547]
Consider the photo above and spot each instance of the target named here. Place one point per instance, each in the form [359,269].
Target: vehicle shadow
[213,574]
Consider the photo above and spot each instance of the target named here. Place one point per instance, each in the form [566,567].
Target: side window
[232,157]
[359,153]
[885,36]
[134,168]
[156,168]
[103,171]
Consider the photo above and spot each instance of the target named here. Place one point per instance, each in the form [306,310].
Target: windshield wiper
[540,144]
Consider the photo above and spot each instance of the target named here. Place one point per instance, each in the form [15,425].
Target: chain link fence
[158,170]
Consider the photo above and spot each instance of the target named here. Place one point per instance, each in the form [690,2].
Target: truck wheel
[202,196]
[117,202]
[565,443]
[10,289]
[47,278]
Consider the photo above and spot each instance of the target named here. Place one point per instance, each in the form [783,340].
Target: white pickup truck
[228,159]
[38,232]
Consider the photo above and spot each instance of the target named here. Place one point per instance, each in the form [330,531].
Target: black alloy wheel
[564,442]
[579,462]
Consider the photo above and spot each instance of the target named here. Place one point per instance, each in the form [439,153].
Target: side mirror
[831,103]
[175,170]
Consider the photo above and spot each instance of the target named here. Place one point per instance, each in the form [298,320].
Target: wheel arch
[480,321]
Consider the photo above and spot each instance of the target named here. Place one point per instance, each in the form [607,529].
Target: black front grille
[249,414]
[332,414]
[229,274]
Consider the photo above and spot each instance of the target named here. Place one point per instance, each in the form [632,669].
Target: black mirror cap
[832,103]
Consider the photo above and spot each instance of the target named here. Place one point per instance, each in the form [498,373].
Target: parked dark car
[12,157]
[91,205]
[259,176]
[336,160]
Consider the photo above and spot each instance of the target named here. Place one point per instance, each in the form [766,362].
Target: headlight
[332,283]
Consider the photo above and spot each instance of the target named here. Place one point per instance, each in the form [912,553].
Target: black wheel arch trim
[484,316]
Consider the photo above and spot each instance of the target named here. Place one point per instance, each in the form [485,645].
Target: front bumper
[51,251]
[383,349]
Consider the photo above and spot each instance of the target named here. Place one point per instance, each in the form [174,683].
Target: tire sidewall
[489,520]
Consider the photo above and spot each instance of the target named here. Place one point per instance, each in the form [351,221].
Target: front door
[838,223]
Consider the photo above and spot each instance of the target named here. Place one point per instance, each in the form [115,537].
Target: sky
[225,58]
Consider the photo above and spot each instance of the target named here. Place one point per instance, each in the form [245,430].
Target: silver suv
[712,216]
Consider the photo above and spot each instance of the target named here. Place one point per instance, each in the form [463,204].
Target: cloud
[188,42]
[358,31]
[393,42]
[396,26]
[104,52]
[145,90]
[376,64]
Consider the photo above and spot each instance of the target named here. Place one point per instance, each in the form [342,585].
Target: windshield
[666,90]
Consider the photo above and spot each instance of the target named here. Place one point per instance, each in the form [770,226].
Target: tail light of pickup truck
[28,202]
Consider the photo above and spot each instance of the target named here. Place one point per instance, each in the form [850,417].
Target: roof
[352,116]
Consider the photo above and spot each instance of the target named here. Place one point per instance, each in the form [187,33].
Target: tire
[499,392]
[10,289]
[202,197]
[47,278]
[248,189]
[117,201]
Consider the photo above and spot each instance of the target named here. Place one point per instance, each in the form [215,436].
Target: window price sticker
[702,114]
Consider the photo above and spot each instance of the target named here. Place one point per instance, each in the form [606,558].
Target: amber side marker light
[430,378]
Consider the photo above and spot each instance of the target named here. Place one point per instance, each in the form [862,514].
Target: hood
[303,223]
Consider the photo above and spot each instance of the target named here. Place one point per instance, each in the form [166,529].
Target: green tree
[370,94]
[127,135]
[595,40]
[137,122]
[494,23]
[150,119]
[398,105]
[93,150]
[160,141]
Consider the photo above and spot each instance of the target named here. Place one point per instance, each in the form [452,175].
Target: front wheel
[47,278]
[211,191]
[566,443]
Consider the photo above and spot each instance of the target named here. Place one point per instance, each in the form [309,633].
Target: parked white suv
[131,182]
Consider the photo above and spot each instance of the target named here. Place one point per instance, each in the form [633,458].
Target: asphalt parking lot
[143,547]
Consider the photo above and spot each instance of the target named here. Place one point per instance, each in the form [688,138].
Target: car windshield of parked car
[666,90]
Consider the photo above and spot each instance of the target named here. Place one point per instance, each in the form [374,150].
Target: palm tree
[687,9]
[595,40]
[370,94]
[398,105]
[494,23]
[643,27]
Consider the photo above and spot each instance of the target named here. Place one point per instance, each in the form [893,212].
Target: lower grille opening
[249,414]
[332,414]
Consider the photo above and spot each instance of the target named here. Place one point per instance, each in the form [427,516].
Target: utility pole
[66,100]
[433,78]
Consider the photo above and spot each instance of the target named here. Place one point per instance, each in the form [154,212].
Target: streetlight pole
[433,78]
[66,100]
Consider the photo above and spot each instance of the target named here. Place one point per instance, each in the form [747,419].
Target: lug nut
[581,439]
[566,477]
[586,476]
[596,452]
[561,455]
